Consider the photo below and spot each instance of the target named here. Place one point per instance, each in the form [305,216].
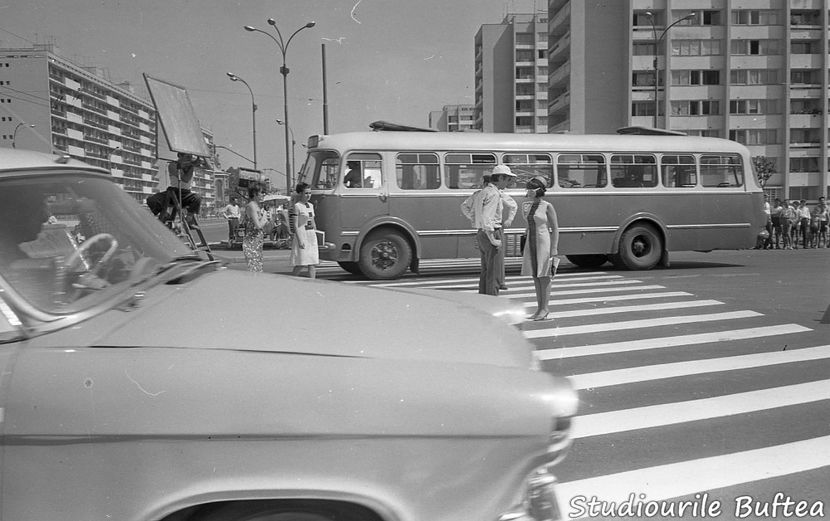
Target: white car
[140,381]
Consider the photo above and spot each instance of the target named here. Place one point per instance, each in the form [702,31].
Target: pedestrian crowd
[794,223]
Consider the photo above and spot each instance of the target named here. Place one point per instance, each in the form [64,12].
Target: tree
[764,169]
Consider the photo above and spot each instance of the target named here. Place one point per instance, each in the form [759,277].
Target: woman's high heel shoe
[542,316]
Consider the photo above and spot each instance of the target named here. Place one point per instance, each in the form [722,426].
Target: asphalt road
[703,386]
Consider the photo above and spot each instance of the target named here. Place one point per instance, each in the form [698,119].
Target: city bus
[386,200]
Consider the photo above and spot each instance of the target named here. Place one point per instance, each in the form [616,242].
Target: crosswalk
[683,398]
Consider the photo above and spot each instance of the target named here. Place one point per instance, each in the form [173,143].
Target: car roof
[15,160]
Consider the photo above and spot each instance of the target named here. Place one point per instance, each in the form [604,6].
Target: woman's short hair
[254,190]
[301,187]
[537,185]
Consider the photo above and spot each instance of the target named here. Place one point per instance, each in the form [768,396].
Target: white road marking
[670,341]
[705,474]
[632,309]
[585,291]
[613,298]
[637,324]
[703,409]
[712,365]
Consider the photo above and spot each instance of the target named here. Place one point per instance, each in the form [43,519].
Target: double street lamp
[656,52]
[283,47]
[14,134]
[234,77]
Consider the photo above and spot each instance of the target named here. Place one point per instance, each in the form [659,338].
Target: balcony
[114,130]
[806,120]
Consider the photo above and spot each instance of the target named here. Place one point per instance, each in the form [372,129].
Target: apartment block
[511,75]
[453,118]
[754,71]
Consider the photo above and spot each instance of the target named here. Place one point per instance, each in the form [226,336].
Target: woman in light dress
[539,258]
[304,253]
[253,222]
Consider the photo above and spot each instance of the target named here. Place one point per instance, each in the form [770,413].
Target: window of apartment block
[701,17]
[644,79]
[753,106]
[704,132]
[798,17]
[754,136]
[805,76]
[695,47]
[524,39]
[695,77]
[642,108]
[695,108]
[643,49]
[524,55]
[641,19]
[805,106]
[804,47]
[804,164]
[753,76]
[541,54]
[805,136]
[754,47]
[754,17]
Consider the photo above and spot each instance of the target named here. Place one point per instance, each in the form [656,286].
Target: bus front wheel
[640,248]
[385,254]
[587,261]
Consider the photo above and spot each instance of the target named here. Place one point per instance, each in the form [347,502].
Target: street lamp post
[293,149]
[14,134]
[283,46]
[234,77]
[656,52]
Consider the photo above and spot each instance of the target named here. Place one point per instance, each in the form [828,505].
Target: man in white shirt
[468,206]
[487,213]
[231,213]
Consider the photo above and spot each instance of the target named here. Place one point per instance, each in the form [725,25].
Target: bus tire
[351,267]
[385,254]
[640,247]
[588,261]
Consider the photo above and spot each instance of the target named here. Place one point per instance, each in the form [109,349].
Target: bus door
[364,190]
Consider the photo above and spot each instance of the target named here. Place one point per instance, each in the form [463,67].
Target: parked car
[140,381]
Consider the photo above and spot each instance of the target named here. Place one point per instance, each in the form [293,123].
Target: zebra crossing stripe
[580,285]
[630,309]
[583,291]
[637,324]
[474,280]
[613,298]
[685,478]
[670,341]
[712,365]
[703,409]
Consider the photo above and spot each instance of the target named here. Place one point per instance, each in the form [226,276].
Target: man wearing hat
[488,213]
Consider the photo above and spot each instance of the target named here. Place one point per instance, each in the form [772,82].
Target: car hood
[263,312]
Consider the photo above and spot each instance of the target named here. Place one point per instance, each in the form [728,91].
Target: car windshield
[71,240]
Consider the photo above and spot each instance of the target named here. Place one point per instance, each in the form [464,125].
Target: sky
[393,60]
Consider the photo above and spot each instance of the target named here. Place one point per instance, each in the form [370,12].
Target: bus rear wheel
[351,267]
[587,261]
[640,248]
[385,254]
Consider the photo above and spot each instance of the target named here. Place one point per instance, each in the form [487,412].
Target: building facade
[50,104]
[754,71]
[453,118]
[511,75]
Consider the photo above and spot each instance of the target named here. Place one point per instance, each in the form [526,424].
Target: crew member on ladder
[179,176]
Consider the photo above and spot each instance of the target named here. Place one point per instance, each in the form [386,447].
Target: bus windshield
[321,169]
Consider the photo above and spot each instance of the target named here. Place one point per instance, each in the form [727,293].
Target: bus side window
[633,171]
[679,171]
[528,166]
[581,171]
[363,170]
[465,170]
[415,171]
[721,170]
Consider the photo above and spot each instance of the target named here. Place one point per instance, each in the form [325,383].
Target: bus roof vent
[394,127]
[648,131]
